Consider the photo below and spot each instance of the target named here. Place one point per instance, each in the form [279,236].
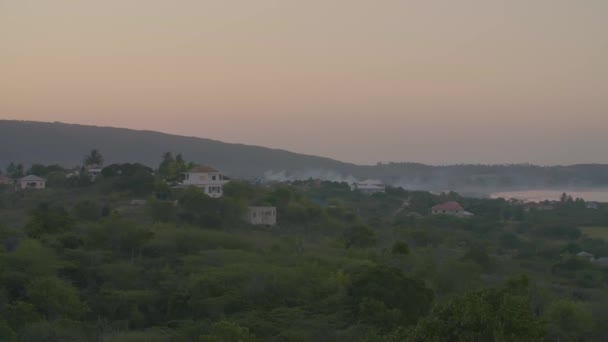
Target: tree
[359,236]
[93,158]
[501,314]
[172,167]
[54,298]
[226,331]
[385,298]
[46,219]
[568,320]
[160,211]
[400,247]
[87,210]
[15,170]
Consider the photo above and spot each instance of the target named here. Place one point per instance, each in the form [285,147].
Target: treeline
[80,262]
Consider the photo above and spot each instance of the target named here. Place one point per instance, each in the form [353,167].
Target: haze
[469,81]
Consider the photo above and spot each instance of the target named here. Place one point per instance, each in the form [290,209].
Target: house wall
[211,183]
[447,212]
[262,215]
[32,184]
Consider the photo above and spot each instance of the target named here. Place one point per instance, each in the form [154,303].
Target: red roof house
[448,208]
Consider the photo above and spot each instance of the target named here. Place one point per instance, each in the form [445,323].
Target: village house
[94,170]
[31,182]
[592,205]
[450,208]
[4,180]
[585,255]
[208,179]
[603,261]
[262,215]
[368,187]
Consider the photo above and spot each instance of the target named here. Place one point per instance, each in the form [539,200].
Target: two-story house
[208,179]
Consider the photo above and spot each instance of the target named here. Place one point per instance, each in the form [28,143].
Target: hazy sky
[429,81]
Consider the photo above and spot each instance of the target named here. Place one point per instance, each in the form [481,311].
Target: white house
[208,179]
[94,170]
[31,182]
[262,215]
[592,205]
[368,187]
[585,255]
[450,208]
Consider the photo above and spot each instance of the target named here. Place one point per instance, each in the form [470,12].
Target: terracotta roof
[448,206]
[202,169]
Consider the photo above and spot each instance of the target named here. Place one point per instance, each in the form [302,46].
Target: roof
[584,254]
[602,261]
[202,169]
[448,206]
[31,178]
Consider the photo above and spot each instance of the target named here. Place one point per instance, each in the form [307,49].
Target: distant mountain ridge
[66,144]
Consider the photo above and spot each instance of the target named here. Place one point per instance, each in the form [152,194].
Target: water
[600,195]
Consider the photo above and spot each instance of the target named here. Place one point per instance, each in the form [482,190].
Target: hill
[65,144]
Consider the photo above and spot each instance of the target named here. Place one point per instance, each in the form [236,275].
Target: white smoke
[324,175]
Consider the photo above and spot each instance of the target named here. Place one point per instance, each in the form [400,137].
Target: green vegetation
[595,232]
[66,144]
[82,261]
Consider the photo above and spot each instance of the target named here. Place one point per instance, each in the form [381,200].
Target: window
[213,177]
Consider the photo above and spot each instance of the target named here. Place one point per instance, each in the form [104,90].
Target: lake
[600,195]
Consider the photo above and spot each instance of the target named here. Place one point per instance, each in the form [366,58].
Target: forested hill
[65,144]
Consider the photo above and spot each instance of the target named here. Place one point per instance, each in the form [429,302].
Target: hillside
[27,142]
[66,144]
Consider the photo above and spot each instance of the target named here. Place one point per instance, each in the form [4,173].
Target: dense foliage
[126,257]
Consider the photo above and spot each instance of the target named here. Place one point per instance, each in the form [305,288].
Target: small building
[592,205]
[585,255]
[369,187]
[5,180]
[262,215]
[450,208]
[208,179]
[603,262]
[138,202]
[94,170]
[31,182]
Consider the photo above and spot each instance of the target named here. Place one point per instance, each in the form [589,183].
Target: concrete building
[208,179]
[94,170]
[369,187]
[262,215]
[585,255]
[31,182]
[592,205]
[450,208]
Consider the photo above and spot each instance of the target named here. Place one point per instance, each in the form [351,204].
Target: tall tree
[15,170]
[93,158]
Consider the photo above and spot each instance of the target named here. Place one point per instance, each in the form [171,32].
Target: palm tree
[94,158]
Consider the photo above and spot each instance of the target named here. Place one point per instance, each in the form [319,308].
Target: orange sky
[363,81]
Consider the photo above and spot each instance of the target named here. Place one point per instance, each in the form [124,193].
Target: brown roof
[448,206]
[202,169]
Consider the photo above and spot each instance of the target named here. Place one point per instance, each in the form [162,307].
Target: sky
[432,81]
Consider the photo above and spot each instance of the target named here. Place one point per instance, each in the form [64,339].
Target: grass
[596,232]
